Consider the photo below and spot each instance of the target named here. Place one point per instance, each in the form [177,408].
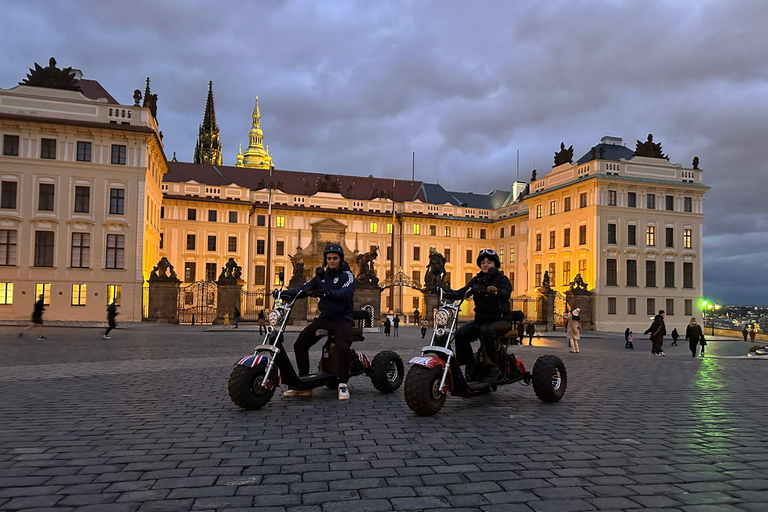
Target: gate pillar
[163,293]
[229,291]
[546,296]
[367,294]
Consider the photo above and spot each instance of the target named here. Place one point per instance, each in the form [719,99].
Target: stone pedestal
[228,297]
[368,297]
[546,296]
[163,301]
[583,300]
[301,307]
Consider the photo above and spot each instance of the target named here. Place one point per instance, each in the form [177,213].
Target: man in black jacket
[491,291]
[657,330]
[335,286]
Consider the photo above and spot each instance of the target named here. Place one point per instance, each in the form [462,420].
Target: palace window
[631,306]
[45,198]
[260,247]
[583,200]
[416,229]
[538,241]
[687,275]
[582,235]
[373,227]
[501,232]
[566,272]
[210,271]
[389,228]
[631,272]
[632,199]
[631,234]
[552,274]
[611,305]
[687,238]
[8,244]
[538,211]
[118,154]
[43,289]
[432,230]
[213,215]
[81,250]
[512,255]
[447,231]
[482,233]
[670,311]
[447,254]
[583,268]
[83,151]
[416,253]
[82,199]
[567,237]
[162,239]
[611,198]
[511,230]
[687,204]
[651,201]
[670,200]
[278,270]
[611,278]
[48,149]
[6,294]
[650,274]
[8,195]
[259,275]
[669,274]
[44,248]
[567,204]
[162,212]
[688,307]
[280,248]
[611,233]
[190,273]
[650,307]
[191,214]
[650,236]
[79,292]
[469,232]
[261,220]
[232,244]
[190,242]
[211,242]
[670,237]
[552,239]
[280,222]
[233,217]
[114,293]
[389,253]
[537,275]
[116,251]
[117,201]
[469,256]
[11,145]
[552,207]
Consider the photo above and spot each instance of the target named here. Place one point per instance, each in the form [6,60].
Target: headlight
[274,317]
[439,332]
[442,318]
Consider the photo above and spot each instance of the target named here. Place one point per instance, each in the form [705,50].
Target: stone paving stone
[561,505]
[32,501]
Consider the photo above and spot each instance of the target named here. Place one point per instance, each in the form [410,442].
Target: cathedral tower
[208,147]
[256,155]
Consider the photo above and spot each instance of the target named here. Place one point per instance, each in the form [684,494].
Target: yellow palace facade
[90,203]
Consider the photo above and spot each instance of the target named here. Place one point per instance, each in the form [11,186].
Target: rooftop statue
[51,77]
[327,184]
[695,162]
[649,148]
[564,156]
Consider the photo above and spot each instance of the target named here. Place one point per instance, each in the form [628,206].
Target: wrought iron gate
[560,310]
[251,303]
[197,303]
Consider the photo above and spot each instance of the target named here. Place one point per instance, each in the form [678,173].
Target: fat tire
[418,390]
[380,368]
[542,378]
[240,387]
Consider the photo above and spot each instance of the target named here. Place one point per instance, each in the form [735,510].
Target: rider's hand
[492,289]
[275,293]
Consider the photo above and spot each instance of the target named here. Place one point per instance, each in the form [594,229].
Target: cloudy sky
[355,87]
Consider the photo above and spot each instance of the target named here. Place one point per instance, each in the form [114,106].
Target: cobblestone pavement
[143,423]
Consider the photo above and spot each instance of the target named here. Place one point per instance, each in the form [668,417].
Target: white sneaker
[105,337]
[343,392]
[662,353]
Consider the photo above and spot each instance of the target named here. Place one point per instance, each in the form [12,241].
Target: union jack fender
[252,361]
[432,362]
[363,359]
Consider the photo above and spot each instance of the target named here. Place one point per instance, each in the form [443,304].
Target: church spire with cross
[256,156]
[208,146]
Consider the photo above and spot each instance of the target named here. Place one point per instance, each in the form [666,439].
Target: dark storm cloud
[355,87]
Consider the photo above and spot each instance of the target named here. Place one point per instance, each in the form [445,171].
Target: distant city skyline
[355,89]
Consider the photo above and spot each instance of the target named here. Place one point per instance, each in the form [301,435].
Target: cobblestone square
[143,422]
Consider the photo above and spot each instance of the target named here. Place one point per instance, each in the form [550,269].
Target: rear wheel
[387,371]
[422,390]
[245,387]
[549,378]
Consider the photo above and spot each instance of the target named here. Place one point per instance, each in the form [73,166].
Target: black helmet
[491,255]
[333,248]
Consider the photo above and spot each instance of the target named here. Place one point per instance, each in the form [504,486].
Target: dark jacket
[657,329]
[37,314]
[693,333]
[675,334]
[490,306]
[337,287]
[111,312]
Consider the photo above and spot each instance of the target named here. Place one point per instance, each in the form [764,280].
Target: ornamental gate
[251,303]
[197,303]
[561,309]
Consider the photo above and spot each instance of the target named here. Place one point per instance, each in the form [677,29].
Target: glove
[275,293]
[492,289]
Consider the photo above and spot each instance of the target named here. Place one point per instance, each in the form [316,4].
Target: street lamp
[710,309]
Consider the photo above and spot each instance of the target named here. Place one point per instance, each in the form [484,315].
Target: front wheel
[422,390]
[549,378]
[387,371]
[245,387]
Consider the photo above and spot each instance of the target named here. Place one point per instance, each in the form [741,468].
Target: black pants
[656,344]
[341,330]
[423,331]
[112,325]
[674,342]
[488,333]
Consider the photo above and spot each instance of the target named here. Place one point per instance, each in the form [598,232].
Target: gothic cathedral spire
[257,155]
[208,146]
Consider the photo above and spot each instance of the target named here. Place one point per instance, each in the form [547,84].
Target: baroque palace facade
[630,222]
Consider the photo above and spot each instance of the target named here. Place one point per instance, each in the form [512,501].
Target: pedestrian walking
[236,316]
[630,338]
[627,332]
[530,330]
[573,333]
[694,335]
[111,314]
[37,319]
[745,332]
[416,317]
[521,332]
[396,324]
[387,325]
[657,331]
[752,334]
[424,326]
[674,335]
[262,321]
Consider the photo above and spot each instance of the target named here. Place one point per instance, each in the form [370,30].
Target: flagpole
[268,277]
[392,259]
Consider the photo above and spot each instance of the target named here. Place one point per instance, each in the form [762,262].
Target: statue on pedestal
[163,271]
[435,270]
[367,274]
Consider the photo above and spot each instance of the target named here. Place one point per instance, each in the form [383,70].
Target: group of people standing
[392,326]
[658,329]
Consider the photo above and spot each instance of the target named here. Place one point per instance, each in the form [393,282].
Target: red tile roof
[93,90]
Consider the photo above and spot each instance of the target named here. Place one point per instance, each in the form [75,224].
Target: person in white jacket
[573,330]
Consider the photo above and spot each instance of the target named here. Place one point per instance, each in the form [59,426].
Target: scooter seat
[322,332]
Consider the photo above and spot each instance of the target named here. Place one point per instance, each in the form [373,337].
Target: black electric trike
[436,372]
[256,377]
